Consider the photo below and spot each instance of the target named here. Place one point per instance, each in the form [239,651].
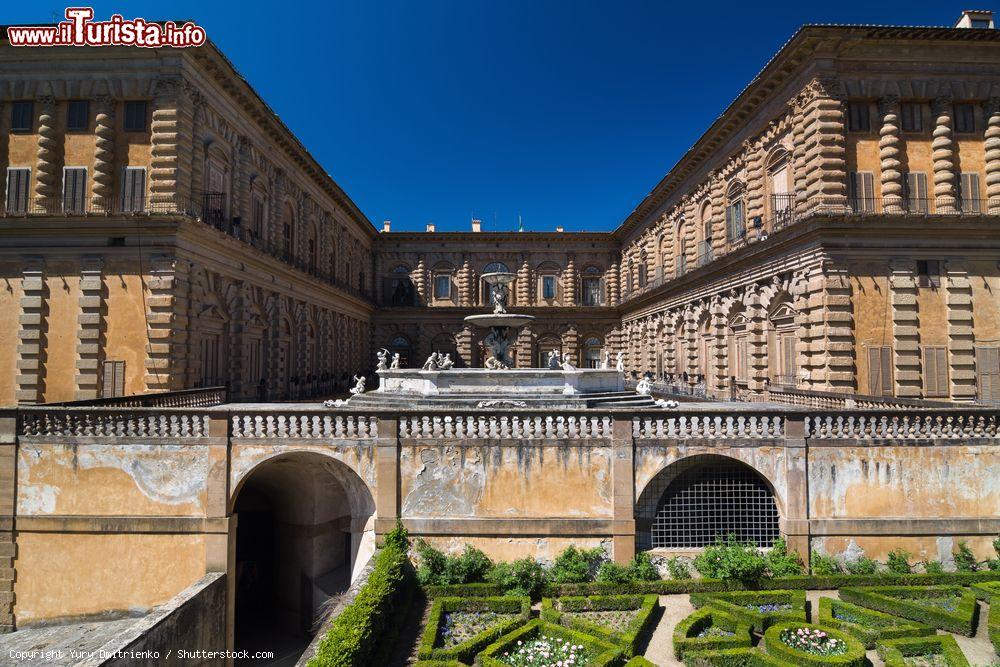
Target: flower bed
[710,629]
[813,645]
[510,651]
[938,649]
[458,628]
[866,624]
[620,619]
[760,609]
[950,608]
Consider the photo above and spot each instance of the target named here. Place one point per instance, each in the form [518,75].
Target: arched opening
[779,186]
[399,290]
[485,289]
[302,529]
[705,233]
[592,348]
[690,503]
[545,346]
[680,233]
[401,345]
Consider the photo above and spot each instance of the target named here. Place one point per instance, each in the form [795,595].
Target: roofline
[805,37]
[533,236]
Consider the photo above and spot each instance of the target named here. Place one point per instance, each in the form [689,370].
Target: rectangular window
[742,350]
[857,117]
[935,371]
[969,193]
[548,287]
[911,116]
[133,189]
[113,379]
[643,275]
[880,376]
[135,116]
[74,189]
[78,116]
[965,118]
[915,192]
[442,287]
[929,273]
[256,218]
[591,291]
[788,368]
[988,374]
[17,189]
[736,227]
[22,116]
[861,191]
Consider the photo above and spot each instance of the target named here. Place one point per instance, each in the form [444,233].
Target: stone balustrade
[204,397]
[531,426]
[113,423]
[308,424]
[923,425]
[710,427]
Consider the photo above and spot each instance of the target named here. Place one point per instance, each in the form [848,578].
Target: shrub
[925,604]
[612,573]
[899,561]
[678,569]
[690,634]
[575,566]
[641,568]
[471,566]
[520,577]
[824,565]
[965,560]
[862,565]
[431,563]
[436,568]
[854,656]
[467,650]
[731,560]
[933,567]
[760,609]
[781,563]
[896,651]
[867,625]
[398,538]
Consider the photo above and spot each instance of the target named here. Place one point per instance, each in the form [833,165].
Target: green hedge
[468,649]
[639,661]
[605,654]
[905,601]
[993,623]
[554,611]
[732,657]
[895,651]
[876,625]
[361,629]
[735,603]
[479,590]
[853,657]
[439,663]
[686,632]
[986,590]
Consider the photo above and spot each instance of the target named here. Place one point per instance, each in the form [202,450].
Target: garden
[749,607]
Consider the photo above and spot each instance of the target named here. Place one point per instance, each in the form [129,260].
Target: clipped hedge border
[993,623]
[853,657]
[439,663]
[986,590]
[679,586]
[705,618]
[358,633]
[639,661]
[732,657]
[895,651]
[880,625]
[606,654]
[962,621]
[734,604]
[554,611]
[467,650]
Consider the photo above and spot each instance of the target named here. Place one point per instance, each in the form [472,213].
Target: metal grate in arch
[712,497]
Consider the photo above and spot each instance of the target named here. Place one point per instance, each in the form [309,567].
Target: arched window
[705,347]
[643,270]
[398,288]
[698,499]
[216,190]
[779,185]
[443,277]
[288,233]
[258,212]
[546,344]
[401,345]
[736,223]
[592,284]
[485,289]
[781,339]
[705,232]
[547,288]
[680,233]
[592,352]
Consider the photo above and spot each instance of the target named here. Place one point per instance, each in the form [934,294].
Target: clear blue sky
[565,112]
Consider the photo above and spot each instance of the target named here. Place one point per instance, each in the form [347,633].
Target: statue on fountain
[383,360]
[503,326]
[395,362]
[432,362]
[445,362]
[498,295]
[358,388]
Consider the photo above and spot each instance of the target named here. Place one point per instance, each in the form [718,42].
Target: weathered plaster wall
[10,302]
[511,548]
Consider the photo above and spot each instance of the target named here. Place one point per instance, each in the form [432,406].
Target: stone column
[613,287]
[88,342]
[241,187]
[31,333]
[837,333]
[164,173]
[718,367]
[961,336]
[525,346]
[104,152]
[905,329]
[755,181]
[524,283]
[943,155]
[569,282]
[48,167]
[824,144]
[795,522]
[717,196]
[992,114]
[419,278]
[798,161]
[167,315]
[889,149]
[623,491]
[571,344]
[466,287]
[463,346]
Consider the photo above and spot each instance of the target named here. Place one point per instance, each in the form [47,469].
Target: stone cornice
[510,241]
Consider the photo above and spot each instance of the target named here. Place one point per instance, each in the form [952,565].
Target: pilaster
[91,328]
[104,151]
[623,485]
[992,114]
[943,156]
[823,138]
[889,150]
[961,337]
[33,325]
[48,166]
[905,329]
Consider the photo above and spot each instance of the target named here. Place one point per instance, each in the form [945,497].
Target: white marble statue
[554,361]
[383,360]
[605,360]
[445,361]
[395,362]
[359,388]
[432,362]
[620,362]
[498,295]
[643,387]
[567,363]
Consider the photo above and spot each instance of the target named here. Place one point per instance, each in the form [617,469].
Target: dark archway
[300,522]
[692,501]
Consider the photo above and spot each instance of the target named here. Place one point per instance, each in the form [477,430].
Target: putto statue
[605,359]
[358,388]
[554,361]
[498,295]
[567,363]
[383,360]
[445,361]
[620,362]
[395,362]
[432,362]
[643,387]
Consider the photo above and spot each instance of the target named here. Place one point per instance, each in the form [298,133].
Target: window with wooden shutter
[915,192]
[861,191]
[911,116]
[965,118]
[17,189]
[935,371]
[988,374]
[857,117]
[880,376]
[969,193]
[113,379]
[74,189]
[788,368]
[133,189]
[22,116]
[77,115]
[136,114]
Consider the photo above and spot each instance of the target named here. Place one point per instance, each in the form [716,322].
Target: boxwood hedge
[853,657]
[468,649]
[752,607]
[912,602]
[686,632]
[896,651]
[732,657]
[986,590]
[639,661]
[555,611]
[868,625]
[604,654]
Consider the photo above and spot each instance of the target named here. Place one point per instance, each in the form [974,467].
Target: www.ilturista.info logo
[81,30]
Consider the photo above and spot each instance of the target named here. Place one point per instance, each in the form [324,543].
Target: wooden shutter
[861,191]
[935,371]
[113,380]
[970,193]
[880,370]
[74,189]
[988,374]
[133,189]
[916,192]
[788,369]
[17,189]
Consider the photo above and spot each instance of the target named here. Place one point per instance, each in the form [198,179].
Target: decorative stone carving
[104,150]
[889,149]
[48,165]
[943,156]
[992,135]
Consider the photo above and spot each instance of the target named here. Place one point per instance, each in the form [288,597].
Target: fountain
[500,322]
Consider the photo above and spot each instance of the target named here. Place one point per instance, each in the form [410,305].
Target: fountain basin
[509,383]
[499,320]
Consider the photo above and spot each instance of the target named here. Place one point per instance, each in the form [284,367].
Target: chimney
[387,225]
[559,228]
[430,227]
[477,225]
[981,19]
